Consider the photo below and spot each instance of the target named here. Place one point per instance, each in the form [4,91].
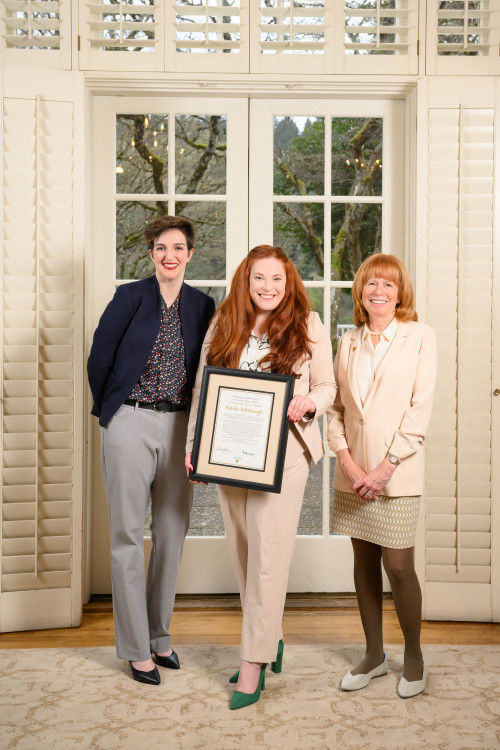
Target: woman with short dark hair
[141,370]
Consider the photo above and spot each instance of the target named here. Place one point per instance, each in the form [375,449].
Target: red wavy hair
[286,326]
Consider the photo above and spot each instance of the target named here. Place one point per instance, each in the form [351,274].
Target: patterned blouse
[254,351]
[164,377]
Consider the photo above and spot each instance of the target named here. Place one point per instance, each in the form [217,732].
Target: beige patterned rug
[83,698]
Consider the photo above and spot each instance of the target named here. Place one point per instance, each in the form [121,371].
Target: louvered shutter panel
[463,37]
[292,36]
[36,33]
[38,373]
[208,36]
[122,35]
[379,36]
[458,507]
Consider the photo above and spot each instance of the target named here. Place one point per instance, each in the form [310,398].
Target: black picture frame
[242,408]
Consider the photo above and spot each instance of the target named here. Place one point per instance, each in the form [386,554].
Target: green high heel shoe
[240,700]
[275,665]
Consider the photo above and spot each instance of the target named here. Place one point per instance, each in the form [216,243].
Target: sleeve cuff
[306,417]
[338,444]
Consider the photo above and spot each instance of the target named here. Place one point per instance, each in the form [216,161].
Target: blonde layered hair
[390,268]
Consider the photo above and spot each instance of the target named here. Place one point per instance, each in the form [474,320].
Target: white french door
[178,156]
[325,182]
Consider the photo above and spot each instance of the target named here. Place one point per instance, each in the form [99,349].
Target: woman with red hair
[266,323]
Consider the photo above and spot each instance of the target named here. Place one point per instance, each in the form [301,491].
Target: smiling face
[267,284]
[170,254]
[380,297]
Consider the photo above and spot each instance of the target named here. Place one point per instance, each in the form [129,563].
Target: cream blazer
[397,410]
[316,381]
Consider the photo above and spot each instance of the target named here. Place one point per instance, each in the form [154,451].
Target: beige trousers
[261,529]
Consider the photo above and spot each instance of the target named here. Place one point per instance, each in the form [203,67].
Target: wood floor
[217,620]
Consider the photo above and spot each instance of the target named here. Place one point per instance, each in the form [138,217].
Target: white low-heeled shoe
[408,689]
[358,681]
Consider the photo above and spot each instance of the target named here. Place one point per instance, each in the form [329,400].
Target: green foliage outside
[142,162]
[144,158]
[356,228]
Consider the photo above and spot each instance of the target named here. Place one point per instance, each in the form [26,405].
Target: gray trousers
[142,456]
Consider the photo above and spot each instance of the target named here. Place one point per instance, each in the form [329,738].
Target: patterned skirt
[388,521]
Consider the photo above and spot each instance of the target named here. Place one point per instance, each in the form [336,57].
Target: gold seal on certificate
[242,429]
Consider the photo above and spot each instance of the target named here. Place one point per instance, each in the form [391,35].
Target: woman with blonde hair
[385,370]
[266,323]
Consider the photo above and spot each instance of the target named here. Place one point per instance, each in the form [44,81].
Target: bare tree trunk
[208,151]
[334,317]
[303,216]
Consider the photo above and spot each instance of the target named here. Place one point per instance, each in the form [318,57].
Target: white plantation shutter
[36,32]
[38,374]
[121,35]
[458,508]
[379,36]
[209,36]
[463,37]
[292,36]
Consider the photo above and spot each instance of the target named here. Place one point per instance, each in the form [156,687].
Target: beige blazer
[397,410]
[316,381]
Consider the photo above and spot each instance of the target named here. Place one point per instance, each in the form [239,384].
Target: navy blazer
[126,335]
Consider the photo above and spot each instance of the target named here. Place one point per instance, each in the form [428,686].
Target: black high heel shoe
[152,677]
[275,665]
[170,662]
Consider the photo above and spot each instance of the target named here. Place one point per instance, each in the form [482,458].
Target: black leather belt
[157,406]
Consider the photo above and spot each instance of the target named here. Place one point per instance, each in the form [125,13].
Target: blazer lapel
[352,362]
[188,312]
[395,348]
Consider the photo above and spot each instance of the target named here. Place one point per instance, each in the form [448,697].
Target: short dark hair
[153,230]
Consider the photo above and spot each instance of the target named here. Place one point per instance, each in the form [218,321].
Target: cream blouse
[253,351]
[370,357]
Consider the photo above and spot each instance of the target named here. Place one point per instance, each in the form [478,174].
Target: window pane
[311,515]
[463,31]
[356,234]
[298,229]
[299,161]
[375,27]
[114,23]
[340,315]
[316,298]
[357,156]
[292,27]
[209,257]
[216,292]
[206,518]
[214,29]
[200,154]
[141,154]
[132,258]
[332,473]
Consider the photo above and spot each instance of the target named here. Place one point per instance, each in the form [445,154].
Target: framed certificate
[242,428]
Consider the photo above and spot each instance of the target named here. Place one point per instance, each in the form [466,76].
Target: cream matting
[84,698]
